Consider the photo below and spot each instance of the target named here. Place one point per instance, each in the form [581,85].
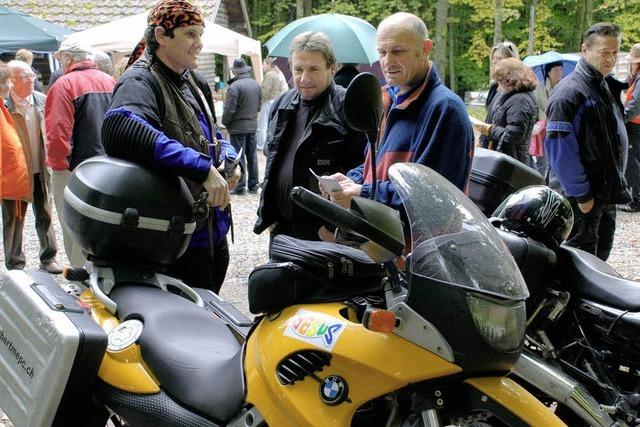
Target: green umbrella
[20,30]
[353,39]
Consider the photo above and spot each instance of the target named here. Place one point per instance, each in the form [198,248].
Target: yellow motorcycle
[427,346]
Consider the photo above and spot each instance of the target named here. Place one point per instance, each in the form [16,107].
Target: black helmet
[538,211]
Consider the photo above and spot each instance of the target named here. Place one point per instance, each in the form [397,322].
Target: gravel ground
[250,250]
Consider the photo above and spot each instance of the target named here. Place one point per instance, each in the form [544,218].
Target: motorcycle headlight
[501,323]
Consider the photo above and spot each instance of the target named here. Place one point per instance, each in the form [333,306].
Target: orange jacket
[13,166]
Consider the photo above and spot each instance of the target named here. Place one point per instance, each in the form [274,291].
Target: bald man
[423,121]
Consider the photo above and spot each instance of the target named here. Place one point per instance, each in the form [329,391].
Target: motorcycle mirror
[363,103]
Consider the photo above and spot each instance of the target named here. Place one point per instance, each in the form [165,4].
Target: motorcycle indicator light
[378,320]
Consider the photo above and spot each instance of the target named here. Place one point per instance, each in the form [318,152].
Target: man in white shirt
[27,109]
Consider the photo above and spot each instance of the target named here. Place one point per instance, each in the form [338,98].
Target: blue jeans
[249,161]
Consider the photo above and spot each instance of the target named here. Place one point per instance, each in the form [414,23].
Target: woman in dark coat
[502,50]
[512,113]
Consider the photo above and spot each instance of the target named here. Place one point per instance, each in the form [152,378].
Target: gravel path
[250,250]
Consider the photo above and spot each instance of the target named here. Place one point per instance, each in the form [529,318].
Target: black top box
[123,212]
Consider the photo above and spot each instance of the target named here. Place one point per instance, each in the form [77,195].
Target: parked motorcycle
[434,354]
[583,317]
[427,347]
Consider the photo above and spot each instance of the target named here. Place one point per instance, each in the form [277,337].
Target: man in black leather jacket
[587,143]
[306,131]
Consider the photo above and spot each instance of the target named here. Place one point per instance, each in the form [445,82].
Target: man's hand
[234,179]
[586,207]
[217,188]
[349,190]
[325,235]
[483,128]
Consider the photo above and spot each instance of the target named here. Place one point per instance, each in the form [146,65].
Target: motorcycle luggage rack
[102,281]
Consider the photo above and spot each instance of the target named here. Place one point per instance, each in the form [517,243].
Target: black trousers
[196,268]
[13,227]
[632,174]
[593,232]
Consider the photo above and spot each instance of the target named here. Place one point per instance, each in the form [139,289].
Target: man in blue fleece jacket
[587,143]
[423,121]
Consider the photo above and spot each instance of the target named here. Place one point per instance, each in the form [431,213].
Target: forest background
[463,31]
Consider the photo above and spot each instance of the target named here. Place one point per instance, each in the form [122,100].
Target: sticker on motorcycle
[315,328]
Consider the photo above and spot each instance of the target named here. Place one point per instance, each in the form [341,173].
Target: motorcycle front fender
[516,400]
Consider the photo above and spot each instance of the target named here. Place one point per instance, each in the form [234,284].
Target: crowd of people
[160,112]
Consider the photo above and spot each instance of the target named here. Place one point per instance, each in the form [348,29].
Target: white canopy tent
[121,36]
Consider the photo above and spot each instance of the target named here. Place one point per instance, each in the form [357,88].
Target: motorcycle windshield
[452,241]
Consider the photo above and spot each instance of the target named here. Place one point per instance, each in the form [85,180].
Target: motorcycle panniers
[121,211]
[494,176]
[303,271]
[50,352]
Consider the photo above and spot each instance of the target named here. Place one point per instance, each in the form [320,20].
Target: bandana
[169,14]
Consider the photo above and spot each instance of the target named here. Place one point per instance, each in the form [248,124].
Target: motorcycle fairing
[517,400]
[594,278]
[372,364]
[123,369]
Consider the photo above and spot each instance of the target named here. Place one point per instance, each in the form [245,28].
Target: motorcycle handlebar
[344,219]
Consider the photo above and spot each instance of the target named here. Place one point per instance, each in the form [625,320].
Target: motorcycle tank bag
[50,352]
[494,176]
[121,211]
[303,271]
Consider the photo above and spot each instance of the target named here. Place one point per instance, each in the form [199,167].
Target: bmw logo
[334,390]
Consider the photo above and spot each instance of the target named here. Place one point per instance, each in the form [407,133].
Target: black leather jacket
[327,146]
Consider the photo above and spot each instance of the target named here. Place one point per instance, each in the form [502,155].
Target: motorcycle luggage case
[50,352]
[494,176]
[121,211]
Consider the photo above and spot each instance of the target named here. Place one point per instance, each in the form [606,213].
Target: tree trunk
[299,9]
[532,27]
[440,49]
[585,16]
[497,23]
[453,79]
[307,7]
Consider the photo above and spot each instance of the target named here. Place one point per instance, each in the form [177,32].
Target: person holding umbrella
[552,76]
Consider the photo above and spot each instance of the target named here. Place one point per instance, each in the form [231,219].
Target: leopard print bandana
[169,14]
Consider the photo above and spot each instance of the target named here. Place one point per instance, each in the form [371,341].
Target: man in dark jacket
[587,143]
[240,116]
[160,116]
[306,131]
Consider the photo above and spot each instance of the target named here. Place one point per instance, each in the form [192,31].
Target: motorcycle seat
[535,261]
[193,354]
[594,278]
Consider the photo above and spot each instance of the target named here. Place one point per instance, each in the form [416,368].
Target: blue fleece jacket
[429,125]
